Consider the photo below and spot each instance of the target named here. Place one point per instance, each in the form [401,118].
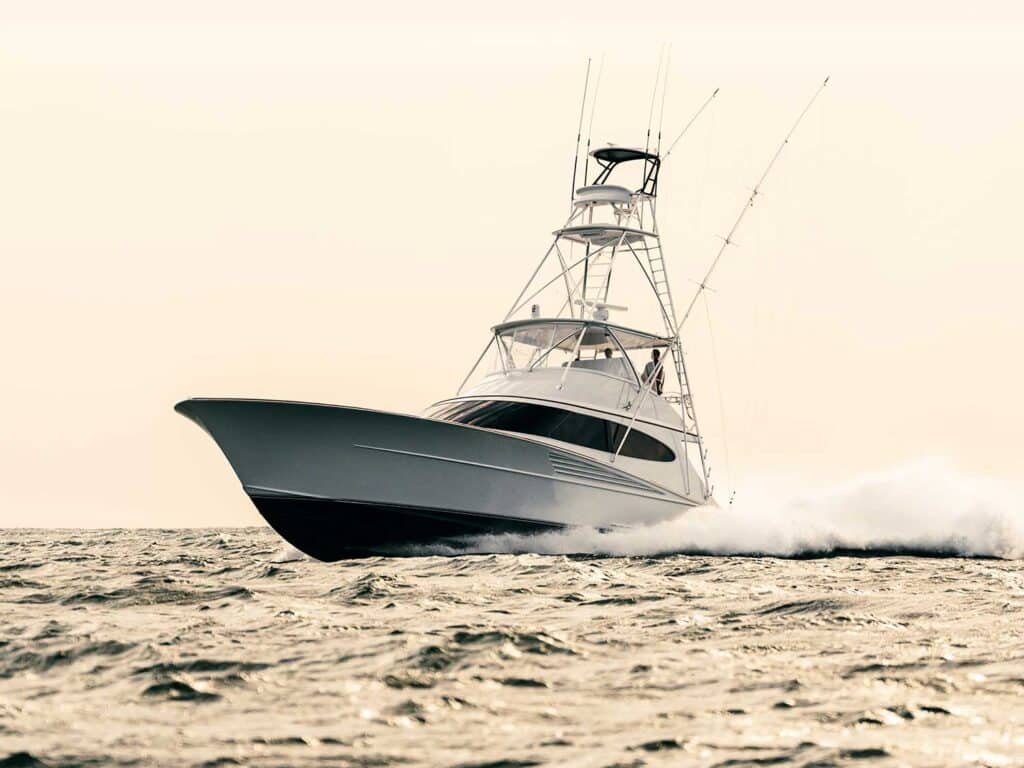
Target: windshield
[559,344]
[527,347]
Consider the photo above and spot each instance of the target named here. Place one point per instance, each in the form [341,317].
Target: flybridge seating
[602,194]
[613,366]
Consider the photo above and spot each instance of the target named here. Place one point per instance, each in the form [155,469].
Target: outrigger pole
[703,285]
[687,126]
[727,240]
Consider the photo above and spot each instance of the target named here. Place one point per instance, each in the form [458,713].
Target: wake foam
[925,508]
[286,553]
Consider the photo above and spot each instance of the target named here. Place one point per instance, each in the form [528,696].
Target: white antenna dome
[599,309]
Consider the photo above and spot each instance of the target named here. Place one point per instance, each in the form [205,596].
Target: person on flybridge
[659,382]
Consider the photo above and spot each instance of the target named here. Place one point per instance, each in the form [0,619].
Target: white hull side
[365,459]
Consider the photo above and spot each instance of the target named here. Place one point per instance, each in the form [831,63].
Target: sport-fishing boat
[562,429]
[566,419]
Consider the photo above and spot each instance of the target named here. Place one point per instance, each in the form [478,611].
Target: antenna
[727,241]
[687,126]
[593,108]
[664,88]
[579,133]
[654,96]
[599,309]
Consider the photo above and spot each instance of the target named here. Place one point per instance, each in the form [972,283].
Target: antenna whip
[579,133]
[654,96]
[590,128]
[664,89]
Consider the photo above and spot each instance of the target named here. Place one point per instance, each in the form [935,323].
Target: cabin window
[545,421]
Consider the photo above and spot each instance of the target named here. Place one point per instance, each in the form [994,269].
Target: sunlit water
[206,647]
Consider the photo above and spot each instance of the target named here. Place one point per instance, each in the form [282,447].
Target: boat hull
[339,482]
[331,530]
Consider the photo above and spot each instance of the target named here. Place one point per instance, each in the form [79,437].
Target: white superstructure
[576,357]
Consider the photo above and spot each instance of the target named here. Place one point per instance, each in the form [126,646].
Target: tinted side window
[639,445]
[567,426]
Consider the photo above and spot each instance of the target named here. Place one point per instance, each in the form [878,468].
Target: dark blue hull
[334,530]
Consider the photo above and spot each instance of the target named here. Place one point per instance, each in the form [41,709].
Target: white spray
[928,507]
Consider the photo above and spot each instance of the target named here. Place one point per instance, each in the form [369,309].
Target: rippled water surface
[219,648]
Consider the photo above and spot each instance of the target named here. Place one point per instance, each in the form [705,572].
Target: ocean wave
[516,659]
[14,662]
[158,590]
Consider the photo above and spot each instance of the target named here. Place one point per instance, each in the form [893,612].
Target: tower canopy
[611,157]
[621,154]
[562,334]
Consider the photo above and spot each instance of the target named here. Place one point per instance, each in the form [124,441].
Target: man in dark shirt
[659,382]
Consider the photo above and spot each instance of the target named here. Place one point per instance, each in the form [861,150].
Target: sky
[334,202]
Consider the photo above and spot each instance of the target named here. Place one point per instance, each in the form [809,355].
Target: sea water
[879,623]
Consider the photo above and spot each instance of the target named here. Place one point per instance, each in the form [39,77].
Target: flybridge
[617,227]
[611,226]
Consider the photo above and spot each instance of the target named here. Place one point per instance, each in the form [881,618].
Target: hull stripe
[557,478]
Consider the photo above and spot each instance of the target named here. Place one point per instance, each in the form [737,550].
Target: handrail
[575,352]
